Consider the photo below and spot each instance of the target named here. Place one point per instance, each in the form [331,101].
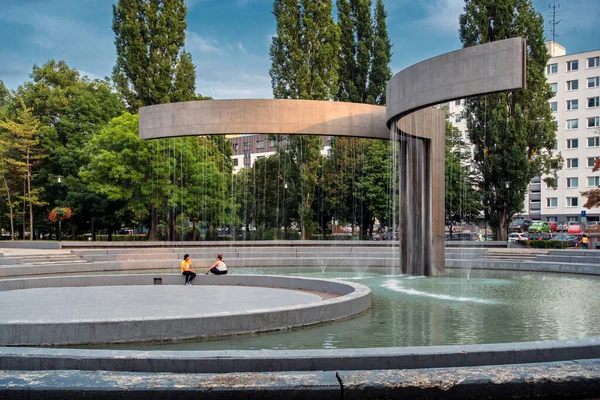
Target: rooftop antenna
[553,21]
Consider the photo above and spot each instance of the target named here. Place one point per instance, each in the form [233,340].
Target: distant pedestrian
[187,269]
[584,242]
[218,267]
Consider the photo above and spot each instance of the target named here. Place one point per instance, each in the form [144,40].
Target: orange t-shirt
[186,266]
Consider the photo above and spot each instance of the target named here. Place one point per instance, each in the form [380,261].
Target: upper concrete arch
[487,68]
[279,116]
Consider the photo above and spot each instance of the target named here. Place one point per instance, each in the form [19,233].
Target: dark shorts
[217,272]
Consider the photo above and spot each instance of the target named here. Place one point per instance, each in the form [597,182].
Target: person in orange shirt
[187,269]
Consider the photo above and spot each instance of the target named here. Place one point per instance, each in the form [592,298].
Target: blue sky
[229,39]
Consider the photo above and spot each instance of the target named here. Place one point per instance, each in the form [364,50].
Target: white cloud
[201,44]
[442,15]
[241,48]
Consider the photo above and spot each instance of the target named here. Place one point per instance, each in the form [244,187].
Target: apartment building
[249,148]
[575,81]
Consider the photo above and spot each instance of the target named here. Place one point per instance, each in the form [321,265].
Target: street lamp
[507,186]
[59,180]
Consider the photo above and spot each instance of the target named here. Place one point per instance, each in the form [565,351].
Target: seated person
[218,267]
[187,269]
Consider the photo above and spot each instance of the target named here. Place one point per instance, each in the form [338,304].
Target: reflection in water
[491,307]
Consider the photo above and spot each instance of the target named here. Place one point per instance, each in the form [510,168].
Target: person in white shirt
[218,267]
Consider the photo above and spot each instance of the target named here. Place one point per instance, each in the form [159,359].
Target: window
[552,69]
[573,65]
[593,62]
[572,182]
[572,123]
[456,117]
[591,161]
[552,219]
[552,202]
[593,122]
[260,144]
[572,162]
[554,106]
[593,141]
[457,103]
[235,147]
[235,162]
[247,154]
[572,104]
[593,102]
[572,201]
[594,82]
[247,145]
[259,157]
[272,144]
[554,87]
[572,219]
[593,181]
[572,143]
[573,85]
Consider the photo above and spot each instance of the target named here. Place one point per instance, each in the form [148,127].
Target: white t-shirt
[221,266]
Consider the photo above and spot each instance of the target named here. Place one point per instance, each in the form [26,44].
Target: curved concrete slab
[486,68]
[249,116]
[130,308]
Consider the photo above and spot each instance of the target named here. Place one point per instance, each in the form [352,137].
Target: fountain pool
[487,307]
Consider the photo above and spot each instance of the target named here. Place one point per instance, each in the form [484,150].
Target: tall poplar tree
[513,133]
[149,37]
[365,53]
[380,72]
[304,66]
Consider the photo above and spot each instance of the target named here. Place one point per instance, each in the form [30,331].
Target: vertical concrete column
[415,205]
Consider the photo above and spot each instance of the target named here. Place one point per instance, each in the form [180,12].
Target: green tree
[303,53]
[380,72]
[71,109]
[23,157]
[513,133]
[149,37]
[304,66]
[462,202]
[4,95]
[184,87]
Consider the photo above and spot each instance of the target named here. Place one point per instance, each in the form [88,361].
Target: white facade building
[575,80]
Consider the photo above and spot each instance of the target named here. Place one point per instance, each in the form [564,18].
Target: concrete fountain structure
[489,68]
[543,369]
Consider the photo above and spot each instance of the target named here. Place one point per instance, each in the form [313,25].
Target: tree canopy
[513,133]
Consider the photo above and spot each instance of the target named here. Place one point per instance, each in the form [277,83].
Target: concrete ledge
[227,361]
[173,324]
[534,266]
[572,379]
[26,244]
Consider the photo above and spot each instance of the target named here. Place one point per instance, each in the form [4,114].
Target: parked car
[377,236]
[568,240]
[390,236]
[539,236]
[513,237]
[553,226]
[520,225]
[539,227]
[465,236]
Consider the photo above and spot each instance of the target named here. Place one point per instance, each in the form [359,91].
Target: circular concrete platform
[133,308]
[130,303]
